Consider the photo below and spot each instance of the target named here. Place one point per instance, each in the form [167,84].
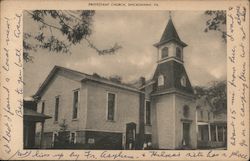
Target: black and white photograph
[125,79]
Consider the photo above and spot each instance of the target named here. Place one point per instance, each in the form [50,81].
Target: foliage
[63,126]
[72,26]
[115,78]
[63,135]
[216,22]
[215,94]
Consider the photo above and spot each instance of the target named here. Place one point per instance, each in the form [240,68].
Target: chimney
[142,81]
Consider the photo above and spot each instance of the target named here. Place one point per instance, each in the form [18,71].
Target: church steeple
[170,34]
[170,73]
[172,93]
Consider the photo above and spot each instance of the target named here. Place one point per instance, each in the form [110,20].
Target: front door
[186,134]
[130,135]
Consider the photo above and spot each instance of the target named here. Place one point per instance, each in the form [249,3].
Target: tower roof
[172,72]
[170,34]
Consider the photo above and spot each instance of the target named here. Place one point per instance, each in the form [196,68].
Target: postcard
[124,80]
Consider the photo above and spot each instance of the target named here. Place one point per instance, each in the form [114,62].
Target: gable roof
[79,76]
[170,34]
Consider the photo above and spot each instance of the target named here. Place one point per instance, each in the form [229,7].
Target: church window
[43,106]
[185,111]
[164,53]
[72,137]
[56,109]
[148,113]
[161,80]
[55,137]
[111,106]
[178,52]
[75,103]
[183,81]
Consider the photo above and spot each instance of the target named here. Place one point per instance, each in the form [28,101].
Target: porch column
[216,133]
[26,135]
[196,121]
[124,140]
[223,133]
[42,131]
[209,132]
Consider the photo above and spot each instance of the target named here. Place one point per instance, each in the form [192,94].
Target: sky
[136,32]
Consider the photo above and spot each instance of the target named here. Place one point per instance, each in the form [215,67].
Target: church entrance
[130,136]
[186,135]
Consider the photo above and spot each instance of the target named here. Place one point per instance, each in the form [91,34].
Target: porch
[211,135]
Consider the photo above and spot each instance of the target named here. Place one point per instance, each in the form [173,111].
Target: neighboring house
[211,127]
[90,111]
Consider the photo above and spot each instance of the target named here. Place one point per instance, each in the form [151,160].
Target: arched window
[178,52]
[164,52]
[185,111]
[161,80]
[183,81]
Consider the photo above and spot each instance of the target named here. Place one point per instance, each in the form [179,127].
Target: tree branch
[55,27]
[59,16]
[73,16]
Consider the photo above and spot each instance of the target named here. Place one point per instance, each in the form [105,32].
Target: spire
[170,34]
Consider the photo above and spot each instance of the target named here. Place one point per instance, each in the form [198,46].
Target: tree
[215,94]
[74,27]
[63,136]
[216,22]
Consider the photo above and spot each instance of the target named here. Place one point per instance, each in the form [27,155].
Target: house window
[213,132]
[111,107]
[185,111]
[148,113]
[201,114]
[56,108]
[203,133]
[161,80]
[43,106]
[183,81]
[164,52]
[75,104]
[178,52]
[73,137]
[220,133]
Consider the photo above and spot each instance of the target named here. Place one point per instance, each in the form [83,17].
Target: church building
[93,112]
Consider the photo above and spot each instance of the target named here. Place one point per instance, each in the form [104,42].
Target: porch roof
[33,116]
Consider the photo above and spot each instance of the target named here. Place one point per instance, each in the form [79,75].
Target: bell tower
[170,72]
[173,101]
[170,47]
